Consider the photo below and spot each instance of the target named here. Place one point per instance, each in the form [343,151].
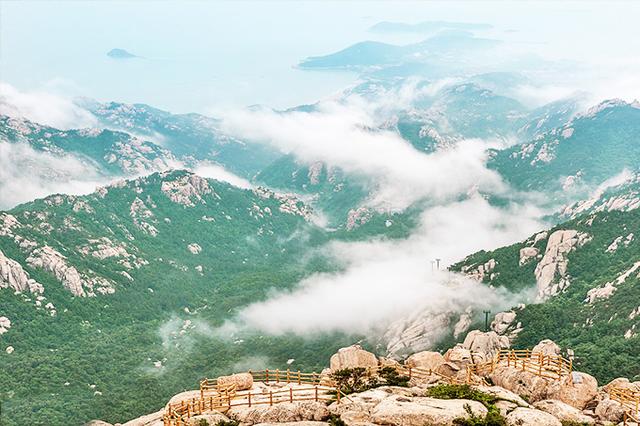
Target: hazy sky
[204,56]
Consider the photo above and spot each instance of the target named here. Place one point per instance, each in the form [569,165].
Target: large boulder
[577,390]
[485,345]
[243,381]
[280,413]
[420,411]
[503,321]
[525,383]
[563,411]
[530,417]
[547,347]
[448,369]
[426,359]
[609,410]
[621,383]
[459,355]
[352,357]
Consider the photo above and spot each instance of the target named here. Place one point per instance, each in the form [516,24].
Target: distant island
[120,54]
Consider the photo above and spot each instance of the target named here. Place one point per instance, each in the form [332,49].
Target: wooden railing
[630,401]
[217,397]
[287,376]
[177,413]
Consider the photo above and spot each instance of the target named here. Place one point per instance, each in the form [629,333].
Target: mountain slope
[188,136]
[115,293]
[586,151]
[586,273]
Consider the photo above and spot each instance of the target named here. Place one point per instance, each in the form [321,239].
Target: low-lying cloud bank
[44,108]
[347,136]
[27,174]
[383,281]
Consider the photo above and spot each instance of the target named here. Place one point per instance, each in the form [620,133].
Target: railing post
[338,395]
[299,378]
[316,392]
[288,378]
[270,398]
[249,396]
[266,372]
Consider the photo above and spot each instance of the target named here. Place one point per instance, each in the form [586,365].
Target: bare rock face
[280,413]
[352,357]
[485,345]
[5,325]
[401,411]
[530,417]
[528,253]
[547,347]
[52,261]
[577,390]
[187,190]
[426,359]
[524,383]
[194,248]
[502,321]
[610,411]
[243,381]
[458,355]
[563,412]
[417,332]
[14,277]
[551,271]
[621,382]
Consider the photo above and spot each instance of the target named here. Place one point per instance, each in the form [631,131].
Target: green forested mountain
[110,152]
[586,151]
[587,275]
[190,137]
[127,283]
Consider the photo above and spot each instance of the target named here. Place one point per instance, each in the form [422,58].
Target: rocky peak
[551,271]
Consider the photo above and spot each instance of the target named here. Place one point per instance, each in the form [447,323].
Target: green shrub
[493,416]
[335,421]
[223,423]
[391,377]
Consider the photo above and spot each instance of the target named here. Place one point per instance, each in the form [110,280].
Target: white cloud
[383,281]
[44,108]
[215,171]
[27,174]
[347,136]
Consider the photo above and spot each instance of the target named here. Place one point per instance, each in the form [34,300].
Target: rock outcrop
[279,413]
[352,357]
[422,411]
[426,360]
[242,381]
[52,261]
[551,271]
[563,411]
[530,417]
[484,345]
[13,276]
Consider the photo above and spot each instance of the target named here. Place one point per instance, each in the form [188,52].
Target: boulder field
[521,398]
